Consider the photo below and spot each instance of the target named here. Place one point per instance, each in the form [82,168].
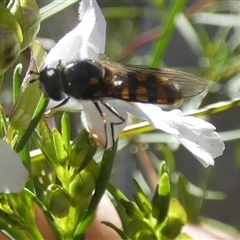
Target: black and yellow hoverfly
[100,80]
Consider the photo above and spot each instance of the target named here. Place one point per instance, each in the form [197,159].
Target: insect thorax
[83,79]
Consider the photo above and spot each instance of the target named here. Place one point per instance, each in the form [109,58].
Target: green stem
[42,105]
[102,183]
[167,32]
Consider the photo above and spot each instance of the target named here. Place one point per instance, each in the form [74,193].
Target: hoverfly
[99,80]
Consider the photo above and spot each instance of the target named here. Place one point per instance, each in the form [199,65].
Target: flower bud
[58,201]
[140,230]
[10,38]
[82,151]
[28,17]
[31,21]
[81,188]
[78,156]
[176,219]
[9,49]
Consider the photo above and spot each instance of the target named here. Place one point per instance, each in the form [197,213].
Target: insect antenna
[35,79]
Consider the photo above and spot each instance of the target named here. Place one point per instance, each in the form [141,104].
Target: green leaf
[141,200]
[176,219]
[3,123]
[164,40]
[118,196]
[132,210]
[54,7]
[42,105]
[46,141]
[30,94]
[17,80]
[65,130]
[162,169]
[121,233]
[59,146]
[169,158]
[102,182]
[161,200]
[188,199]
[139,229]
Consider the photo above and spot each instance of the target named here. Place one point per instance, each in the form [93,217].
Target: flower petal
[104,123]
[194,130]
[197,135]
[86,41]
[106,119]
[13,174]
[154,114]
[203,156]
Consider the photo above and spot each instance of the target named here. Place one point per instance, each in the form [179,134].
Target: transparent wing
[152,85]
[189,84]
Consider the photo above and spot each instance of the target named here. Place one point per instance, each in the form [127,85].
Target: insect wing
[153,85]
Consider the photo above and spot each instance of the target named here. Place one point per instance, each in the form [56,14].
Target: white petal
[154,114]
[94,25]
[204,157]
[87,40]
[192,129]
[13,174]
[104,124]
[197,135]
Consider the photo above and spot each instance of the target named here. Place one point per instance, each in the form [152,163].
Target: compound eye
[51,84]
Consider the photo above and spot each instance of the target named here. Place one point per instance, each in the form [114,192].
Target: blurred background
[206,42]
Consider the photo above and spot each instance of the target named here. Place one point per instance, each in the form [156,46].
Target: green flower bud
[9,49]
[143,235]
[176,219]
[81,188]
[140,230]
[31,26]
[78,156]
[82,151]
[28,17]
[10,38]
[58,201]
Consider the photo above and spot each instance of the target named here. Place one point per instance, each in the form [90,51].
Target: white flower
[13,174]
[108,119]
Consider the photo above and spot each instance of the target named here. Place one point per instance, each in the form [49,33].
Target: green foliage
[68,178]
[159,218]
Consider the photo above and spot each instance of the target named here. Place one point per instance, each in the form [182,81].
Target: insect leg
[112,124]
[104,121]
[62,103]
